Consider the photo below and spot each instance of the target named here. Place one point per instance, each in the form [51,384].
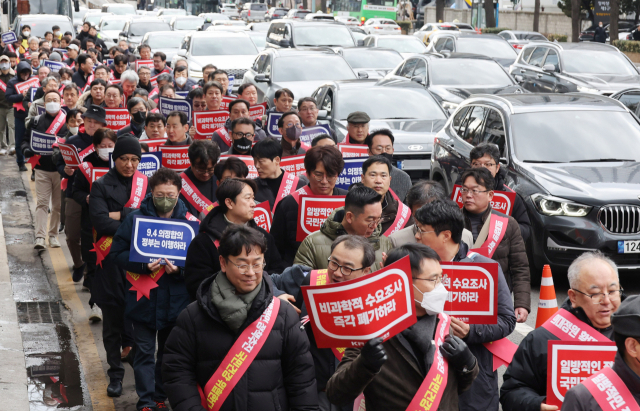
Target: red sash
[224,134]
[191,217]
[497,229]
[239,358]
[102,248]
[194,196]
[154,92]
[567,327]
[320,277]
[402,216]
[430,392]
[57,123]
[11,48]
[289,182]
[300,192]
[86,152]
[87,169]
[142,284]
[3,86]
[610,392]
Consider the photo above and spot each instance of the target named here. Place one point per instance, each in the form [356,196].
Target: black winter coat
[13,96]
[203,259]
[264,193]
[285,226]
[519,212]
[207,188]
[41,123]
[281,377]
[525,381]
[81,141]
[132,128]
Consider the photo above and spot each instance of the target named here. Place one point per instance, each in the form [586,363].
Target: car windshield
[499,49]
[140,29]
[323,36]
[280,12]
[164,41]
[38,28]
[389,103]
[93,18]
[188,24]
[565,136]
[530,36]
[302,14]
[600,62]
[47,7]
[260,41]
[381,59]
[116,24]
[404,44]
[312,68]
[80,14]
[122,10]
[223,46]
[455,72]
[464,26]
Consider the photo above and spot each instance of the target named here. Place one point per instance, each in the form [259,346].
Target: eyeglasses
[377,221]
[417,230]
[485,165]
[244,268]
[475,191]
[203,170]
[199,105]
[246,135]
[346,271]
[435,281]
[383,149]
[296,125]
[598,298]
[320,176]
[308,109]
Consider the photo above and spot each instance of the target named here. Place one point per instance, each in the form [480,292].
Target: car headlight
[555,206]
[583,89]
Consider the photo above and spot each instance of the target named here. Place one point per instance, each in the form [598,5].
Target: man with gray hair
[129,81]
[594,295]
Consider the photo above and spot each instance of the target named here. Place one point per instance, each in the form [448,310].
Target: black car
[404,107]
[568,67]
[290,33]
[490,45]
[276,13]
[623,27]
[575,160]
[376,62]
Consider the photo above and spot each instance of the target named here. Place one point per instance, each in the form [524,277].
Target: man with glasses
[322,165]
[308,110]
[380,143]
[361,215]
[594,296]
[439,225]
[496,236]
[290,128]
[242,134]
[199,186]
[376,174]
[237,108]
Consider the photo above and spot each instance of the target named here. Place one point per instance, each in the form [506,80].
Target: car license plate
[414,164]
[237,81]
[629,247]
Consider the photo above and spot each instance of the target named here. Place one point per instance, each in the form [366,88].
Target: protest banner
[294,164]
[167,105]
[350,313]
[148,165]
[175,157]
[117,118]
[272,124]
[571,362]
[154,238]
[351,173]
[352,150]
[503,201]
[154,145]
[473,291]
[25,85]
[262,216]
[309,133]
[33,95]
[313,211]
[98,172]
[144,63]
[40,109]
[206,122]
[62,52]
[54,65]
[9,37]
[70,155]
[182,94]
[42,143]
[248,160]
[224,105]
[256,112]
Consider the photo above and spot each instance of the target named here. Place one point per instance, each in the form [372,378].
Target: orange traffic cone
[547,305]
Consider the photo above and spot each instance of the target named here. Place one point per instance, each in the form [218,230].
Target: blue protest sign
[309,133]
[182,94]
[154,238]
[149,163]
[62,52]
[54,65]
[33,95]
[232,80]
[108,62]
[272,124]
[41,109]
[352,172]
[9,37]
[42,143]
[167,105]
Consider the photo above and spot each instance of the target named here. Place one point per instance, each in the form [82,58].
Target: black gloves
[373,354]
[27,152]
[457,353]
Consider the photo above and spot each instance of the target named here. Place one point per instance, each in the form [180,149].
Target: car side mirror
[261,78]
[122,34]
[360,43]
[363,74]
[418,79]
[323,114]
[519,78]
[182,52]
[445,52]
[549,68]
[284,43]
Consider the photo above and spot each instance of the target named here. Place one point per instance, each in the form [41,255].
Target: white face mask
[73,130]
[52,108]
[26,34]
[181,81]
[5,66]
[103,153]
[64,82]
[433,301]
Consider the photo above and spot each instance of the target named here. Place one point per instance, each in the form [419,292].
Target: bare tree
[439,10]
[489,12]
[536,16]
[613,19]
[575,20]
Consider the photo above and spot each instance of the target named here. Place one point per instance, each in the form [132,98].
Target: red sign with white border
[26,85]
[69,154]
[294,165]
[206,122]
[224,105]
[350,313]
[313,211]
[262,216]
[144,63]
[248,160]
[98,172]
[256,112]
[353,150]
[117,118]
[154,145]
[175,157]
[571,362]
[473,291]
[503,201]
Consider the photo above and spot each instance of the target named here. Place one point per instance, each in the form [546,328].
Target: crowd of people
[239,277]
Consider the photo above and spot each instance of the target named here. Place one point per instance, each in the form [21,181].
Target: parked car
[297,14]
[580,189]
[41,23]
[568,67]
[624,27]
[630,97]
[119,8]
[261,27]
[168,42]
[518,39]
[258,38]
[230,10]
[94,17]
[347,20]
[276,13]
[230,25]
[210,18]
[319,16]
[381,26]
[466,28]
[425,32]
[405,45]
[78,16]
[358,34]
[186,23]
[489,45]
[288,33]
[110,27]
[134,30]
[253,12]
[375,62]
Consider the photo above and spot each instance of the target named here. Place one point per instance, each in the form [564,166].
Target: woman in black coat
[236,204]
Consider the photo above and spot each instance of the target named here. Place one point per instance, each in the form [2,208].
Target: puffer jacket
[512,256]
[281,377]
[316,248]
[166,301]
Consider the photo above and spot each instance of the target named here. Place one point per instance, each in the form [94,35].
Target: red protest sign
[353,150]
[175,157]
[262,216]
[293,164]
[98,172]
[256,112]
[350,313]
[69,154]
[155,144]
[26,85]
[206,122]
[313,211]
[224,105]
[571,362]
[144,63]
[503,201]
[248,160]
[473,291]
[117,118]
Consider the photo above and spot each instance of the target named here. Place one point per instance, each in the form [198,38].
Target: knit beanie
[127,145]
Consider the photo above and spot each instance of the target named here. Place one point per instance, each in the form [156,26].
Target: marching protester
[84,70]
[119,66]
[390,374]
[206,73]
[48,84]
[282,102]
[322,166]
[486,225]
[239,300]
[248,92]
[357,127]
[236,206]
[144,76]
[95,95]
[323,140]
[153,317]
[308,111]
[290,128]
[222,77]
[181,81]
[70,95]
[113,96]
[594,296]
[380,143]
[7,120]
[177,128]
[213,93]
[137,108]
[230,167]
[20,107]
[160,64]
[237,108]
[129,81]
[198,191]
[154,127]
[242,136]
[273,182]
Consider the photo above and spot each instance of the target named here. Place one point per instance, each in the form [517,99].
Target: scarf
[233,308]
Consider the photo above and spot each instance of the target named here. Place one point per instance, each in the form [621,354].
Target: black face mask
[140,117]
[242,144]
[387,156]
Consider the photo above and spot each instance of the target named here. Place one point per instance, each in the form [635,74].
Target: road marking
[94,374]
[523,329]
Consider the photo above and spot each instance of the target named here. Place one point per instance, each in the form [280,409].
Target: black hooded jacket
[519,212]
[13,96]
